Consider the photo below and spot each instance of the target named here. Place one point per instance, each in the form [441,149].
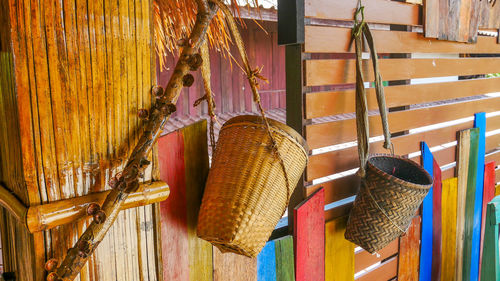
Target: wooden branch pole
[15,207]
[127,181]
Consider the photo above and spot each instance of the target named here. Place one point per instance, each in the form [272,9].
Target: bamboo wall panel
[319,40]
[326,72]
[79,72]
[184,164]
[319,104]
[375,11]
[409,252]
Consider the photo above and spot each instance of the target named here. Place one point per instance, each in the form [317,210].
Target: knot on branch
[187,80]
[53,277]
[51,265]
[194,62]
[93,208]
[158,91]
[100,217]
[168,108]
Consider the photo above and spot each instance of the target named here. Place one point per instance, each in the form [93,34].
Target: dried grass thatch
[173,20]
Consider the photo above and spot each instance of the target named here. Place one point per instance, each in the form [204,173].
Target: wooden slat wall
[453,84]
[77,72]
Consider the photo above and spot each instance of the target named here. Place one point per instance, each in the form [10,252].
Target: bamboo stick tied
[128,180]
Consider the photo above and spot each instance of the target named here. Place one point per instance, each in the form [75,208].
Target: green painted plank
[285,270]
[469,204]
[490,268]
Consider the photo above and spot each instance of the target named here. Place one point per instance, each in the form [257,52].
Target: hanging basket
[246,192]
[386,202]
[392,187]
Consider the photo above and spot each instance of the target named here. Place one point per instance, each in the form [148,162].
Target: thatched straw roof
[173,20]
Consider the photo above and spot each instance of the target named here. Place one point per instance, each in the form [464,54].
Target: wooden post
[490,268]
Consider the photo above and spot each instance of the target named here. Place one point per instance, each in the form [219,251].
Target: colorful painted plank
[488,195]
[285,269]
[470,204]
[230,266]
[462,175]
[449,228]
[436,222]
[427,219]
[183,159]
[409,251]
[266,263]
[339,252]
[309,237]
[480,124]
[490,268]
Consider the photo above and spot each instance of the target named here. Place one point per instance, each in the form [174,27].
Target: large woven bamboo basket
[246,192]
[389,196]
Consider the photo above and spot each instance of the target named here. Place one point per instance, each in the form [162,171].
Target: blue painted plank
[479,122]
[426,246]
[266,263]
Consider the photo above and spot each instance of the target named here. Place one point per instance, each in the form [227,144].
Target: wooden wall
[73,75]
[429,83]
[229,83]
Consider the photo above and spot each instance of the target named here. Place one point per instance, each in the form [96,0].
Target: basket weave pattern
[246,195]
[368,226]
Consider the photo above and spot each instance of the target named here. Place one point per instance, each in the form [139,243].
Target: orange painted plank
[327,72]
[318,39]
[409,252]
[375,11]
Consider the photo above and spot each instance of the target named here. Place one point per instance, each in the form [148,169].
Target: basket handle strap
[362,123]
[252,76]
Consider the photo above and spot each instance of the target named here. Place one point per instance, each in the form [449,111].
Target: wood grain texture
[309,238]
[285,268]
[490,268]
[436,222]
[184,164]
[328,72]
[470,199]
[386,271]
[319,104]
[401,13]
[266,263]
[339,252]
[230,266]
[363,259]
[409,252]
[325,134]
[426,250]
[488,195]
[480,124]
[462,179]
[318,39]
[449,228]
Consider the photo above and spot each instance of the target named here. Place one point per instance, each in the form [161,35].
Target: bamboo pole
[43,217]
[47,216]
[127,181]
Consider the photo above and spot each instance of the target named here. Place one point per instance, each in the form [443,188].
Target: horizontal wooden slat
[328,72]
[385,271]
[321,104]
[325,39]
[363,259]
[495,156]
[493,142]
[325,134]
[377,11]
[338,212]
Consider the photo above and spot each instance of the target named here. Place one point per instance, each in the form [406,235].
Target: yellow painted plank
[497,190]
[339,253]
[449,228]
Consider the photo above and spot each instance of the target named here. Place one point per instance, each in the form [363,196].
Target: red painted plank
[436,223]
[488,195]
[409,252]
[173,211]
[309,238]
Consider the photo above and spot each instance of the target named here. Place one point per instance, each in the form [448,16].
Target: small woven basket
[246,192]
[389,196]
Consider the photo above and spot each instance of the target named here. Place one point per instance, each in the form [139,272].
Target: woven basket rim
[396,179]
[276,125]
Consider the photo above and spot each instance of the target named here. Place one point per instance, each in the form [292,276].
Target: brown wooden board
[319,40]
[319,104]
[325,134]
[363,259]
[230,266]
[409,252]
[327,72]
[386,271]
[375,11]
